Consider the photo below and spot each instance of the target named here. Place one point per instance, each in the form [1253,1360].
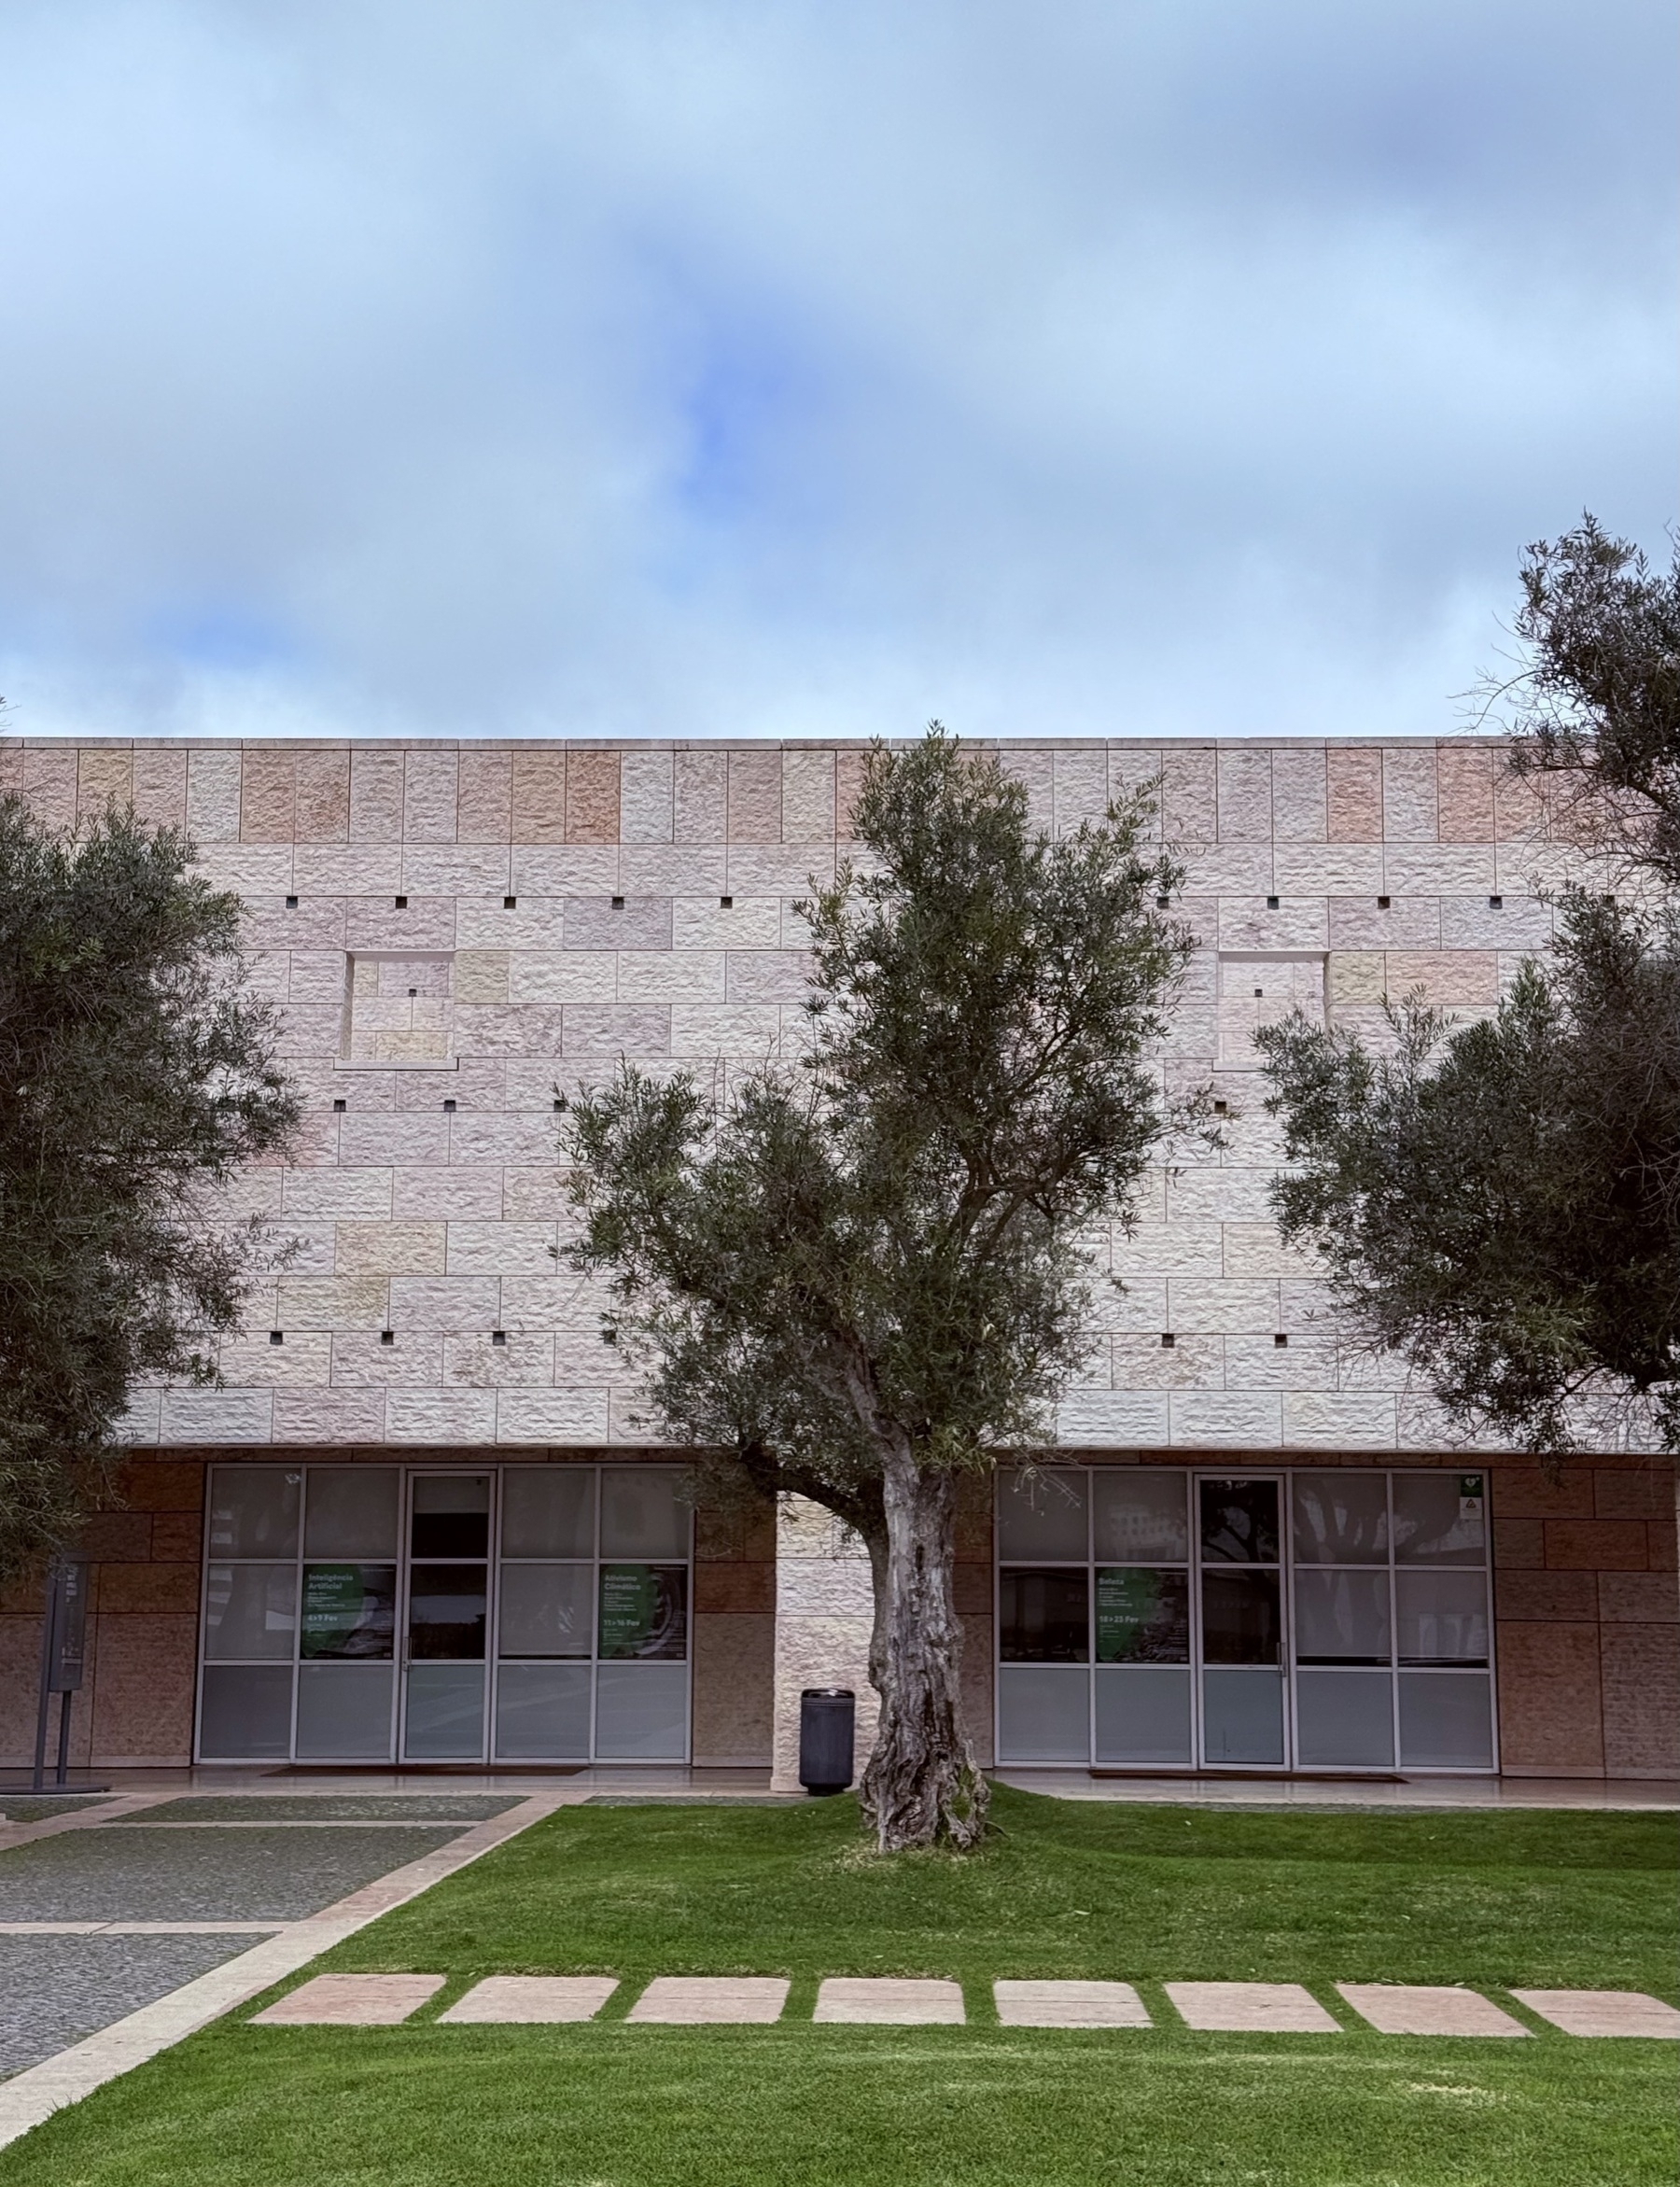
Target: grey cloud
[784,369]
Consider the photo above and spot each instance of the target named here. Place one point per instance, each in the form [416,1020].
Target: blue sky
[731,369]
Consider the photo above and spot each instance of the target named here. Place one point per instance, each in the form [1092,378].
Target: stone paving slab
[880,2001]
[1246,2007]
[1395,2008]
[704,1999]
[54,1990]
[351,2000]
[326,1807]
[98,1874]
[1070,2004]
[1602,2012]
[532,1999]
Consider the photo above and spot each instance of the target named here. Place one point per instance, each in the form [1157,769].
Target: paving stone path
[110,1906]
[686,2000]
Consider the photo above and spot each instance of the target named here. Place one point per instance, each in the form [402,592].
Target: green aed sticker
[1470,1488]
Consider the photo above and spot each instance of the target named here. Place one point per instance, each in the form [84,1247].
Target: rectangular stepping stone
[533,1999]
[1397,2008]
[1601,2012]
[877,2001]
[351,2000]
[1244,2007]
[690,2001]
[1069,2004]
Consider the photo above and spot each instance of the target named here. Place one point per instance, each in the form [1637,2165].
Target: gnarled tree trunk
[921,1786]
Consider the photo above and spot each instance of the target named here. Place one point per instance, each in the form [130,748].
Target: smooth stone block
[884,2001]
[692,2000]
[1395,2008]
[1244,2007]
[1602,2012]
[533,1999]
[351,2000]
[1069,2004]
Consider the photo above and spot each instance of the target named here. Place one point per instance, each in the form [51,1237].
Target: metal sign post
[63,1640]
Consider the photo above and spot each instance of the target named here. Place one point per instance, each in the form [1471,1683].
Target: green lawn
[1143,1893]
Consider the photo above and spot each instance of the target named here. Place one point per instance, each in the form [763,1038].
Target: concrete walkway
[126,1926]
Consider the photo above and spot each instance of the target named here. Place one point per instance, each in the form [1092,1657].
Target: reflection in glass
[345,1711]
[1143,1615]
[644,1612]
[250,1610]
[246,1713]
[254,1511]
[1345,1719]
[1242,1716]
[1340,1519]
[1143,1714]
[1242,1619]
[1440,1519]
[547,1609]
[1445,1720]
[547,1512]
[349,1610]
[1341,1617]
[1442,1616]
[543,1711]
[1045,1711]
[1240,1521]
[447,1607]
[444,1715]
[641,1712]
[1142,1516]
[1042,1617]
[1041,1514]
[351,1511]
[451,1515]
[643,1513]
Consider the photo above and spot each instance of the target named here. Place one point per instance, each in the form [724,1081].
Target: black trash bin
[826,1718]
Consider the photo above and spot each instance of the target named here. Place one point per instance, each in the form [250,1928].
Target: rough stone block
[1550,1719]
[1422,2009]
[885,2002]
[531,2001]
[702,799]
[592,797]
[483,797]
[693,2000]
[1602,2012]
[537,797]
[351,2000]
[1069,2004]
[1282,2008]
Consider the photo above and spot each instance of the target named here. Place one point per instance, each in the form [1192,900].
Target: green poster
[644,1611]
[349,1609]
[1143,1615]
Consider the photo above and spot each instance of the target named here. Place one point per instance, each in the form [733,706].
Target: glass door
[1240,1561]
[446,1616]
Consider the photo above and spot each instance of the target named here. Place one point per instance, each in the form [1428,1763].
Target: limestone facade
[454,936]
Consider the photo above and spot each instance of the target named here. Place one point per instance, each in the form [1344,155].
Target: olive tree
[1499,1202]
[865,1272]
[136,1073]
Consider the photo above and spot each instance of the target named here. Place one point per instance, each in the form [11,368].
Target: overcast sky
[734,367]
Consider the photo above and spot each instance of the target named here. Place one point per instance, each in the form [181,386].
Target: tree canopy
[136,1076]
[1499,1202]
[859,1273]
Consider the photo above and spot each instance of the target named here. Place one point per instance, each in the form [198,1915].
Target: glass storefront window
[1310,1618]
[1042,1617]
[373,1613]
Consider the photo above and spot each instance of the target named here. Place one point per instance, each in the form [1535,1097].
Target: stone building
[419,1521]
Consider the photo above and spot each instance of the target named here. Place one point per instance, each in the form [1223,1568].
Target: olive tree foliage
[863,1273]
[136,1076]
[1499,1202]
